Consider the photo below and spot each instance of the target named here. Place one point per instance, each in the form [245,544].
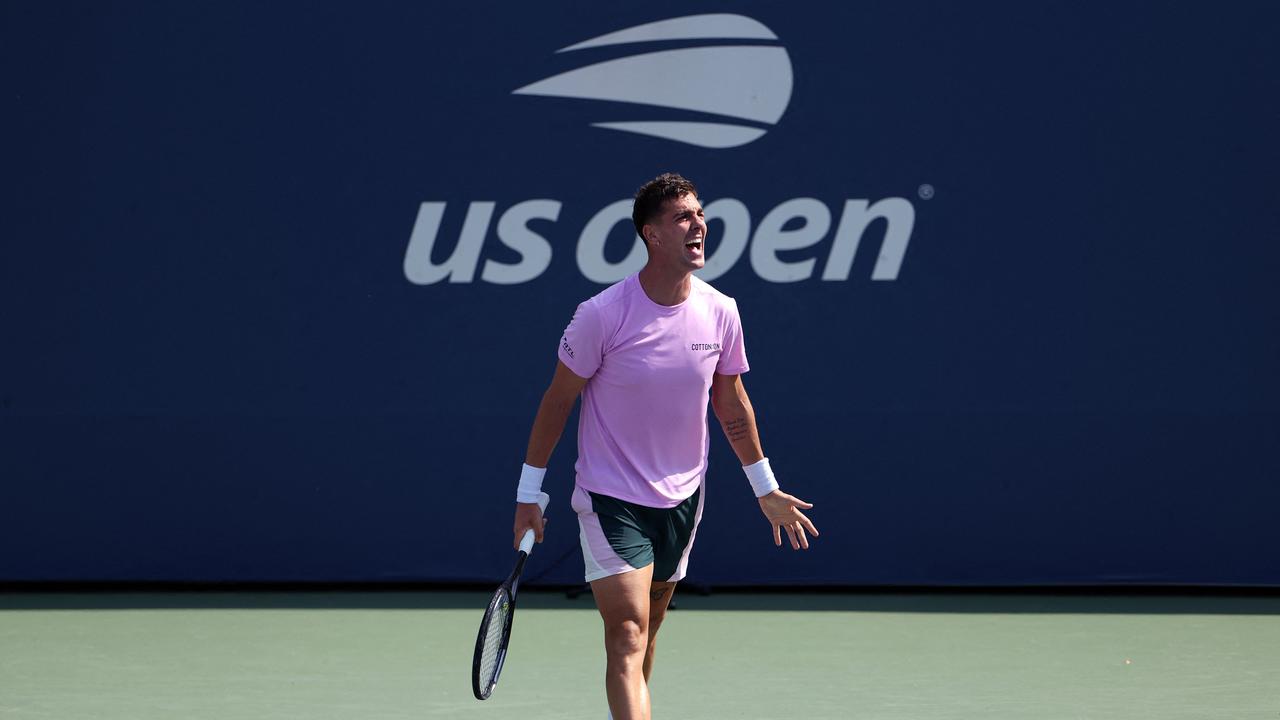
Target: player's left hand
[783,512]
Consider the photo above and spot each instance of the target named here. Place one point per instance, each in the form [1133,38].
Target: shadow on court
[1174,601]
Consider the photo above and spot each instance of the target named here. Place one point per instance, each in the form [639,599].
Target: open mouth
[694,244]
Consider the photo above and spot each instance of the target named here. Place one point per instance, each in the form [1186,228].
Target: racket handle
[526,542]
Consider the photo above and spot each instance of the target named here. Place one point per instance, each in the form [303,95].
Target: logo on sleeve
[714,347]
[564,345]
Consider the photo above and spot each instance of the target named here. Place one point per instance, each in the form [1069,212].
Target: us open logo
[750,84]
[727,90]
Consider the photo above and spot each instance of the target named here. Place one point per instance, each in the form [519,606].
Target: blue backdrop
[277,305]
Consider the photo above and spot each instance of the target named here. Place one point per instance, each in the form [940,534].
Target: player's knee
[656,616]
[626,639]
[653,630]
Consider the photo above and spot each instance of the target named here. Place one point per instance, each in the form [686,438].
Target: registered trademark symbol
[926,191]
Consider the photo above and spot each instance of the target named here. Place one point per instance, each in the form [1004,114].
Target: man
[644,354]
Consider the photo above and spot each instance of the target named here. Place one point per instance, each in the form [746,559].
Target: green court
[375,655]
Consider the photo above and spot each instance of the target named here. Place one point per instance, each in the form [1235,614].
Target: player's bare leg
[659,598]
[623,601]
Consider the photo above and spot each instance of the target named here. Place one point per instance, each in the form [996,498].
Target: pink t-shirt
[642,430]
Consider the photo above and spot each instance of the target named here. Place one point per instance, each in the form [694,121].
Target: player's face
[677,234]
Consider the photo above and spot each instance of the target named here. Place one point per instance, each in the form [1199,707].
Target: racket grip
[526,542]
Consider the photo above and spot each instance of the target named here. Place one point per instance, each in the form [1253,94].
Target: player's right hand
[528,515]
[783,513]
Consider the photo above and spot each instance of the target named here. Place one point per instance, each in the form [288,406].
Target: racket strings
[491,656]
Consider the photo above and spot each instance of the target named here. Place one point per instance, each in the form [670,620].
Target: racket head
[491,642]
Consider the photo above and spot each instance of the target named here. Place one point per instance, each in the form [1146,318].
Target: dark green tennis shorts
[618,536]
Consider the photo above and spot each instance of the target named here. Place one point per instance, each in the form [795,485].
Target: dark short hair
[651,196]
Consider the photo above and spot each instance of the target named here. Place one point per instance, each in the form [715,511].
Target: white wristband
[530,484]
[761,477]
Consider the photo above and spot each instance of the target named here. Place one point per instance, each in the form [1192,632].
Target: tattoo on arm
[737,429]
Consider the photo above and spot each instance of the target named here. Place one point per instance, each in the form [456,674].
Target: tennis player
[644,354]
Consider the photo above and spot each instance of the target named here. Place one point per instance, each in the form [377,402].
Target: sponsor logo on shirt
[564,344]
[706,346]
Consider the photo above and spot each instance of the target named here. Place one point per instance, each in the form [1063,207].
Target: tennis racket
[495,628]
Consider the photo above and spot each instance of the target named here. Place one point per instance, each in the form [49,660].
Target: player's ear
[649,234]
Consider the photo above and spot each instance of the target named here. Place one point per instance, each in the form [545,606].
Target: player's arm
[553,412]
[737,418]
[733,409]
[548,425]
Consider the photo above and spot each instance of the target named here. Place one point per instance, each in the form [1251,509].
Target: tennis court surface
[374,655]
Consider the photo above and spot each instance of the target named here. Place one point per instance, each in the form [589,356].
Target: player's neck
[665,286]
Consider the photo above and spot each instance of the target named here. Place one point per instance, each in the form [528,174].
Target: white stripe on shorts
[598,557]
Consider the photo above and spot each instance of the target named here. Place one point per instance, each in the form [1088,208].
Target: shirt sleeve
[733,352]
[582,345]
